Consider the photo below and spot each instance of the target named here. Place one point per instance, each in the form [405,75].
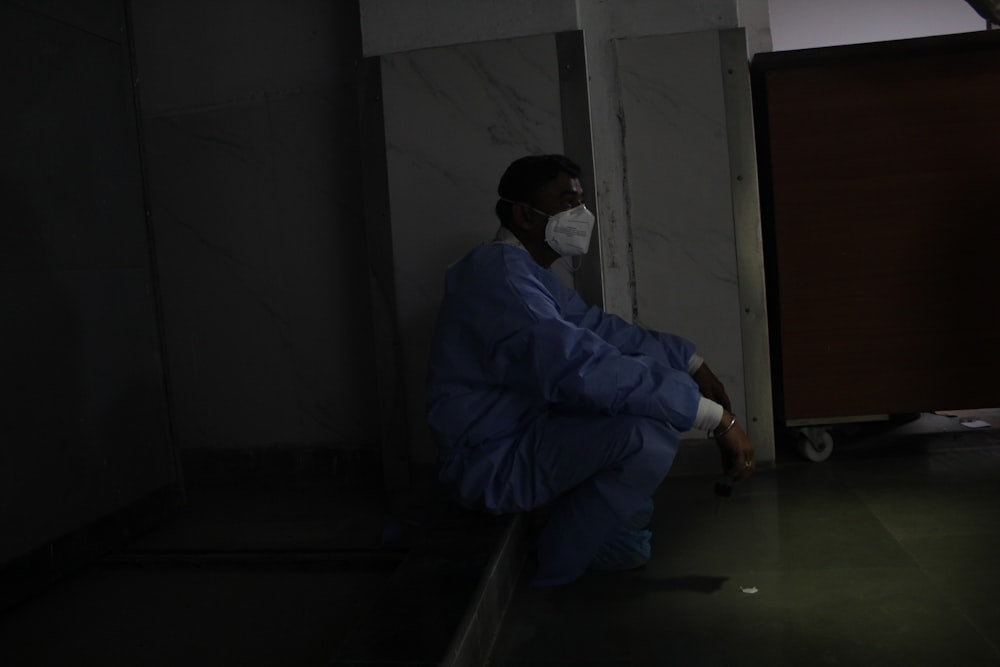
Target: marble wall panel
[455,117]
[602,24]
[251,128]
[396,26]
[83,414]
[84,429]
[195,55]
[637,18]
[106,19]
[70,168]
[678,181]
[258,227]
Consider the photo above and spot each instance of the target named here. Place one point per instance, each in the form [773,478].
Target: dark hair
[524,178]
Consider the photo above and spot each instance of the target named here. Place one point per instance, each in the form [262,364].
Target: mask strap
[521,203]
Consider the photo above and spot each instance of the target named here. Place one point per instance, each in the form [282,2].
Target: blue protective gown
[537,399]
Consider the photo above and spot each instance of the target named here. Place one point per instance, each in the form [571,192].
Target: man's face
[560,194]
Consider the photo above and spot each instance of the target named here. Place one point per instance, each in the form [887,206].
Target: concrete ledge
[30,574]
[474,637]
[444,604]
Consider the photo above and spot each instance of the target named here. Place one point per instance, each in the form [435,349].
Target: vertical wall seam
[154,267]
[749,243]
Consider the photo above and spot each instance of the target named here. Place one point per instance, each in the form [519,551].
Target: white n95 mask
[568,232]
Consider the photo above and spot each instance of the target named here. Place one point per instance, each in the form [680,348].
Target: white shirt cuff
[709,415]
[694,363]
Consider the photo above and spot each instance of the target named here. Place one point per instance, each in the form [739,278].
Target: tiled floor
[883,555]
[201,615]
[246,574]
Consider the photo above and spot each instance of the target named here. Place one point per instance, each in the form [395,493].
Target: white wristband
[709,415]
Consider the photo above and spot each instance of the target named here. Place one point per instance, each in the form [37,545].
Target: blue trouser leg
[583,519]
[596,471]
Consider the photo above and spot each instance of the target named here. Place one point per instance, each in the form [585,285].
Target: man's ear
[522,216]
[517,216]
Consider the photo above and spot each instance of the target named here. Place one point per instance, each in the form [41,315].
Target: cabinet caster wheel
[815,443]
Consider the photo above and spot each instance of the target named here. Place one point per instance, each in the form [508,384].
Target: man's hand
[712,388]
[735,448]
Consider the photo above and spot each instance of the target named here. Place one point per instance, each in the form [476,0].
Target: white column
[602,23]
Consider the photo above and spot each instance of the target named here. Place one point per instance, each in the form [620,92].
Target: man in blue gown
[537,400]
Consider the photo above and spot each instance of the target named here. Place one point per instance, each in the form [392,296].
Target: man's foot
[624,550]
[641,519]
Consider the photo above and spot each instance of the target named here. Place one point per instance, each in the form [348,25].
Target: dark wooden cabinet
[880,184]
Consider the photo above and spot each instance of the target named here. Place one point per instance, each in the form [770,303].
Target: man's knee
[654,445]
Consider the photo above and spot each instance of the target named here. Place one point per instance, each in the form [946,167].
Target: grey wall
[83,419]
[666,219]
[250,119]
[806,24]
[683,235]
[252,149]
